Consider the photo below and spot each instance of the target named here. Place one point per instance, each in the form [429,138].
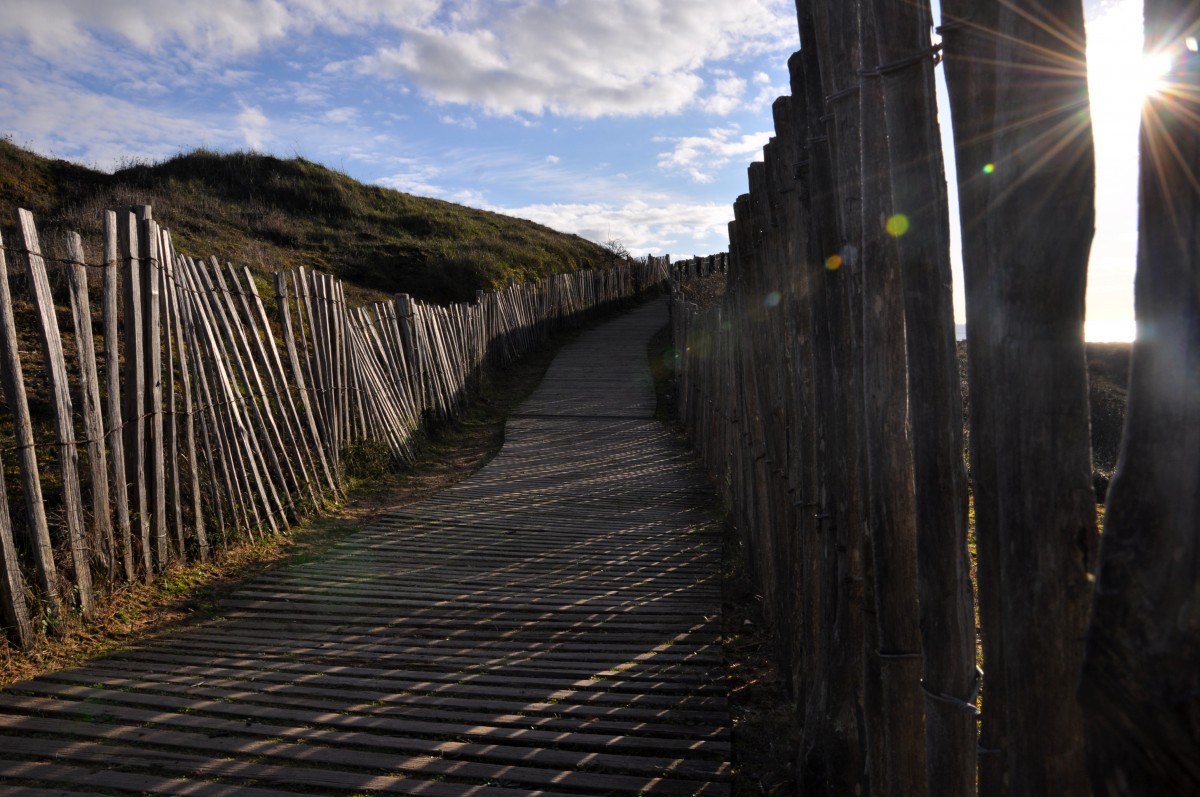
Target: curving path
[549,626]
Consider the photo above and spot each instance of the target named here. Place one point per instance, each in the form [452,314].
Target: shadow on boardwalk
[548,626]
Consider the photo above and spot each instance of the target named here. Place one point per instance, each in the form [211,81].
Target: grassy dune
[272,215]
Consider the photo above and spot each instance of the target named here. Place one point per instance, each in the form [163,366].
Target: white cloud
[253,124]
[767,95]
[583,58]
[151,26]
[341,116]
[553,159]
[699,157]
[51,113]
[414,176]
[643,228]
[459,121]
[727,96]
[231,27]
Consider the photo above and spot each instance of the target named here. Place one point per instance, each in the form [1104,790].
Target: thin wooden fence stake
[243,358]
[12,585]
[105,543]
[68,455]
[112,372]
[243,431]
[298,375]
[166,293]
[134,384]
[156,483]
[226,400]
[273,366]
[219,453]
[31,486]
[185,342]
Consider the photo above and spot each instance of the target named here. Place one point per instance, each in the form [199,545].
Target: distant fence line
[191,423]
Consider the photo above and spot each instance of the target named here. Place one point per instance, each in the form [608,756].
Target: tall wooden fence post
[133,386]
[1025,302]
[68,455]
[1141,677]
[155,465]
[112,371]
[16,613]
[918,222]
[103,540]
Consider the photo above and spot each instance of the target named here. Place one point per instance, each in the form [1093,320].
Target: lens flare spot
[897,225]
[991,167]
[773,299]
[1193,44]
[833,262]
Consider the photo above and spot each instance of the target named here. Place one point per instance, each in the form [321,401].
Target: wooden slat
[16,612]
[338,309]
[261,449]
[115,433]
[416,368]
[240,444]
[272,366]
[104,543]
[12,586]
[185,342]
[60,392]
[156,473]
[317,310]
[133,387]
[298,371]
[172,414]
[257,398]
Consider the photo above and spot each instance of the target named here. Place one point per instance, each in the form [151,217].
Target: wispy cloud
[254,127]
[726,97]
[467,122]
[641,227]
[50,115]
[699,157]
[222,28]
[415,176]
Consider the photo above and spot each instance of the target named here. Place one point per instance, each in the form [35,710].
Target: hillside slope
[272,215]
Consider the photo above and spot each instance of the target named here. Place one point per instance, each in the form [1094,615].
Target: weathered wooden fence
[699,267]
[824,396]
[193,420]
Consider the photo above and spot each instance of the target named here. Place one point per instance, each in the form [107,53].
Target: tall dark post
[1141,677]
[825,79]
[1026,281]
[968,50]
[919,224]
[891,520]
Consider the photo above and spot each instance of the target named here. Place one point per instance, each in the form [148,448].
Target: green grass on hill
[273,215]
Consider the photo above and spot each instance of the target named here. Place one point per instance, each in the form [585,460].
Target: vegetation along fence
[824,396]
[191,420]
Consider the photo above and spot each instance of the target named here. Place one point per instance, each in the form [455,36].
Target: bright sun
[1154,69]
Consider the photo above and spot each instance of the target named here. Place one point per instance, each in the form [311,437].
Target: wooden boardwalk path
[549,626]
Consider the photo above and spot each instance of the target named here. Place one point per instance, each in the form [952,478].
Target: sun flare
[1154,68]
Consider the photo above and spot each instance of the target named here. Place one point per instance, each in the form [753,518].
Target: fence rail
[194,421]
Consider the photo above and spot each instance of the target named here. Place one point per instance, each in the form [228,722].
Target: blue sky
[627,120]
